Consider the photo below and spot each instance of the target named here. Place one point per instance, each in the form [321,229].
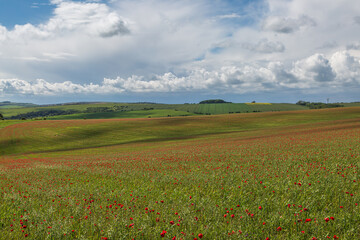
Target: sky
[179,51]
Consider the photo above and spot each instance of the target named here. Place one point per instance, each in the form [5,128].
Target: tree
[213,101]
[1,116]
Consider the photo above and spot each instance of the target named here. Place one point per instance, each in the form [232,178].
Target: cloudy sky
[174,51]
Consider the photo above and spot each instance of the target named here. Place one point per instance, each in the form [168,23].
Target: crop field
[276,175]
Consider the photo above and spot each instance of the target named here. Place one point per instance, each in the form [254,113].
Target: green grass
[354,104]
[11,106]
[225,108]
[189,108]
[237,176]
[126,114]
[5,123]
[37,136]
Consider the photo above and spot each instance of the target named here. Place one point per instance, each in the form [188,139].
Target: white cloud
[316,71]
[346,67]
[170,46]
[287,25]
[265,46]
[354,46]
[93,19]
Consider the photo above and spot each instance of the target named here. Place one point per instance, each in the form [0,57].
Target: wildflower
[279,229]
[200,235]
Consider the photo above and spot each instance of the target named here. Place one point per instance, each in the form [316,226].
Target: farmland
[276,175]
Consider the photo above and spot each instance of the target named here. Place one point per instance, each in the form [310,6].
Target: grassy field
[8,123]
[36,136]
[354,104]
[190,109]
[125,114]
[277,175]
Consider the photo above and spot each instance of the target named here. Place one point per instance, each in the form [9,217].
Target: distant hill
[8,104]
[98,110]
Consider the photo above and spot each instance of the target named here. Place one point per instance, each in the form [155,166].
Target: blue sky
[20,12]
[179,51]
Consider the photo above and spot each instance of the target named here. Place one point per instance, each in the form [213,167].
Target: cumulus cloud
[265,46]
[287,25]
[346,67]
[154,46]
[316,71]
[93,19]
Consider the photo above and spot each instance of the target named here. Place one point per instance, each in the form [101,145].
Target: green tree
[1,116]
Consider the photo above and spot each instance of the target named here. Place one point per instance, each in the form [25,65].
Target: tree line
[318,105]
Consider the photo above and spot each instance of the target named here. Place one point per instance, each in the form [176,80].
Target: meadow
[275,175]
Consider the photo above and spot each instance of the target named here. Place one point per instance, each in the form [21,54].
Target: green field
[277,175]
[52,135]
[186,109]
[354,104]
[125,114]
[190,109]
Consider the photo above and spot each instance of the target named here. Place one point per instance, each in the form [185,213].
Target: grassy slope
[37,136]
[127,114]
[5,123]
[101,192]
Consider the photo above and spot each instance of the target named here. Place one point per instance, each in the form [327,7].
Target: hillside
[142,110]
[8,104]
[230,176]
[37,136]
